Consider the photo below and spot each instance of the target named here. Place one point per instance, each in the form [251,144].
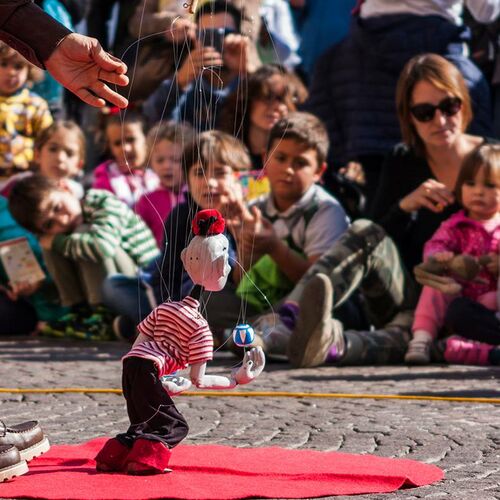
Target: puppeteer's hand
[253,364]
[80,64]
[175,385]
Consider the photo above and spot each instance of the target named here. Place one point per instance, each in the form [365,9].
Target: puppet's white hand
[175,385]
[253,364]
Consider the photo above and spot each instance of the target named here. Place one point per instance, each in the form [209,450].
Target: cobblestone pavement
[461,438]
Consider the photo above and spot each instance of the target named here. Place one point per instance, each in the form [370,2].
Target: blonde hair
[486,156]
[44,136]
[439,72]
[7,53]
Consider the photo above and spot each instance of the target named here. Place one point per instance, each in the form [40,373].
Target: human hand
[443,257]
[235,53]
[83,66]
[46,240]
[354,172]
[200,58]
[445,284]
[175,385]
[431,194]
[492,264]
[181,30]
[24,289]
[261,234]
[253,364]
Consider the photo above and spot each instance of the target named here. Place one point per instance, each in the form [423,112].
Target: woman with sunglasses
[415,195]
[415,192]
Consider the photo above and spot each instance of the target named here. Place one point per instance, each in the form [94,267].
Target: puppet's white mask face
[206,261]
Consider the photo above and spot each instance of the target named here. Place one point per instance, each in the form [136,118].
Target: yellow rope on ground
[260,394]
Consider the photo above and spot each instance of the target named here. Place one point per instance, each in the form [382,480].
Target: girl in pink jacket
[125,174]
[475,231]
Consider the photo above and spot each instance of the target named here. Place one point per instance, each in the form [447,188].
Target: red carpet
[219,472]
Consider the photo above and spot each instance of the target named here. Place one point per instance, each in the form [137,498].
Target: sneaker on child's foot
[419,352]
[97,326]
[315,331]
[271,334]
[466,352]
[125,329]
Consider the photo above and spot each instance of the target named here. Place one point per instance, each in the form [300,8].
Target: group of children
[114,249]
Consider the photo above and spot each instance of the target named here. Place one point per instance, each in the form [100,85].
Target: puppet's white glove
[253,364]
[175,385]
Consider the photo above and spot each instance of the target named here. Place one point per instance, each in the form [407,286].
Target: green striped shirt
[111,224]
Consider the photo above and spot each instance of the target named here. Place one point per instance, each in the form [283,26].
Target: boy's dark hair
[214,146]
[485,156]
[26,197]
[217,6]
[305,129]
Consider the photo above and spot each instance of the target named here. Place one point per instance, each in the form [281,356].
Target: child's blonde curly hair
[7,53]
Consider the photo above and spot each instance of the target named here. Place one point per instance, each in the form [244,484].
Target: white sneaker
[271,334]
[316,332]
[418,353]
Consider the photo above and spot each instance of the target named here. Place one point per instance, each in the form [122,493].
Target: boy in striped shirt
[83,241]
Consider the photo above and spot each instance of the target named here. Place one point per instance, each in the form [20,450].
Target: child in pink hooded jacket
[475,231]
[125,175]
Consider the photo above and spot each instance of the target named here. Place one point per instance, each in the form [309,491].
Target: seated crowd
[323,240]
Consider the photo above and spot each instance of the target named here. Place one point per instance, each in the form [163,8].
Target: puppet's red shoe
[112,456]
[148,457]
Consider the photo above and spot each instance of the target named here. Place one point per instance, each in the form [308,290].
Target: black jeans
[151,410]
[18,317]
[473,321]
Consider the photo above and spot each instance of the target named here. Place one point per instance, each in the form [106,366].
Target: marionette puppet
[174,336]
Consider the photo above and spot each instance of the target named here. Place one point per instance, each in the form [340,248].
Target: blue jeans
[127,296]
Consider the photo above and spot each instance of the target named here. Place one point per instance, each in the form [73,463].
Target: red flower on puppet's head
[208,222]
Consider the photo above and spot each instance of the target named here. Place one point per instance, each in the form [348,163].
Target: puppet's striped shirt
[179,335]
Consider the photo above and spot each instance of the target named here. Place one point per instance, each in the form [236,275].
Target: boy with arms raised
[282,234]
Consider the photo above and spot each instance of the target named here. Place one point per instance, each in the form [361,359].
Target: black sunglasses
[425,112]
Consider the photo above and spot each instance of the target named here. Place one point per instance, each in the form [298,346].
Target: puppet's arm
[252,366]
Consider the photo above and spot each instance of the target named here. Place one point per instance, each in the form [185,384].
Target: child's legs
[126,296]
[472,320]
[151,410]
[66,277]
[17,317]
[365,257]
[489,300]
[93,274]
[225,309]
[431,310]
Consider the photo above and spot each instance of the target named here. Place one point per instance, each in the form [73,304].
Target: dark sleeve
[162,102]
[167,277]
[29,30]
[392,187]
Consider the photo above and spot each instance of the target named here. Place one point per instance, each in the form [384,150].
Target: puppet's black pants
[151,410]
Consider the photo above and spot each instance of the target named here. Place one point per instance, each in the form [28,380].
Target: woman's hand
[235,55]
[200,58]
[431,194]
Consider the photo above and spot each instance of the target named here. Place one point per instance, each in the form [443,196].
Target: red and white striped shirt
[179,335]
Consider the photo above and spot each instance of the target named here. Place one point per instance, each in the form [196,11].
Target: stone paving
[461,438]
